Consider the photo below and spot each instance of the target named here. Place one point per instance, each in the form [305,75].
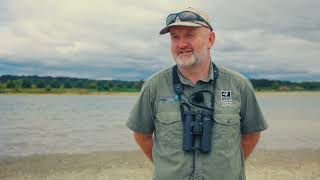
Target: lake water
[41,124]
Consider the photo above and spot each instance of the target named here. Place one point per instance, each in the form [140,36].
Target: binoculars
[197,126]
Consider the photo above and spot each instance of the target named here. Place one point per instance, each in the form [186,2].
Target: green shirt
[157,111]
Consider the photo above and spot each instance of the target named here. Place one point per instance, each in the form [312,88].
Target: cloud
[119,39]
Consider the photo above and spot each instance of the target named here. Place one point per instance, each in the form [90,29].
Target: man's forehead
[180,29]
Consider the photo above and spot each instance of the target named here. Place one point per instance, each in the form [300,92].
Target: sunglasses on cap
[186,16]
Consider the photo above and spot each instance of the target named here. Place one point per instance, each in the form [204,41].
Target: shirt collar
[186,81]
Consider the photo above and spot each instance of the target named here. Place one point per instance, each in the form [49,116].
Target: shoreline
[133,165]
[258,93]
[76,94]
[287,93]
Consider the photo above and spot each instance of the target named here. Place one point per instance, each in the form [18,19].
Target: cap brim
[180,23]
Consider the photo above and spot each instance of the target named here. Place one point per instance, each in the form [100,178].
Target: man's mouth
[184,52]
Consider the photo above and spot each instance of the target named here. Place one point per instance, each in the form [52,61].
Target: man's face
[190,45]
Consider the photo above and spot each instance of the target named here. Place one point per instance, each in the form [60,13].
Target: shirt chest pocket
[226,131]
[168,129]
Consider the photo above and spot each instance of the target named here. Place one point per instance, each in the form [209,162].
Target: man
[196,120]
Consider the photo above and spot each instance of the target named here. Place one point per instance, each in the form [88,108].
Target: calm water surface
[41,124]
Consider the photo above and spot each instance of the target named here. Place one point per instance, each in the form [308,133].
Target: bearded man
[196,119]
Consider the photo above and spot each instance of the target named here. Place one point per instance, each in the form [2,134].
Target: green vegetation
[276,85]
[61,85]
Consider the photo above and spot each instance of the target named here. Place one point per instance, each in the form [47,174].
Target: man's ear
[212,38]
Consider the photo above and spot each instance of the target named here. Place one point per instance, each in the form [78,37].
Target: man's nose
[182,44]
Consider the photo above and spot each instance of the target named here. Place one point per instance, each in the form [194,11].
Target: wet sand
[132,165]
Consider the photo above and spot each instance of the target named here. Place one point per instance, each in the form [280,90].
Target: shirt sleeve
[141,118]
[252,119]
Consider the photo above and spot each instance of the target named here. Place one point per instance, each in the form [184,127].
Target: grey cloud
[290,17]
[261,38]
[229,46]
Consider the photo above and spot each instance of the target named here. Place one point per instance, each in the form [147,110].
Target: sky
[119,39]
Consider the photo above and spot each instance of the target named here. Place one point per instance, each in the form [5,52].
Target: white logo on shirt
[226,98]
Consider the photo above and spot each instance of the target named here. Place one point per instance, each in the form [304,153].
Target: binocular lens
[197,126]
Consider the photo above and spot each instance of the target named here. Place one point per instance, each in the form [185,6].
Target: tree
[110,84]
[129,85]
[121,85]
[48,88]
[139,84]
[80,84]
[55,84]
[11,84]
[102,86]
[40,84]
[18,84]
[275,85]
[2,87]
[26,83]
[67,85]
[92,85]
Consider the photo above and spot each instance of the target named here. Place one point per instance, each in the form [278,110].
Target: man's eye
[190,35]
[174,37]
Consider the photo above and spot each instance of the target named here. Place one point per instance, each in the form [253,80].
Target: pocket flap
[227,119]
[168,117]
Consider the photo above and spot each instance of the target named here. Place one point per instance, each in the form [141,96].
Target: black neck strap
[178,86]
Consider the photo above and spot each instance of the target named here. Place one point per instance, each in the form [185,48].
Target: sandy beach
[302,164]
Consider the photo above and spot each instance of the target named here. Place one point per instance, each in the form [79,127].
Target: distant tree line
[265,84]
[48,83]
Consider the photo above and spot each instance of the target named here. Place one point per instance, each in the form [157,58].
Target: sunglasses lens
[187,16]
[171,19]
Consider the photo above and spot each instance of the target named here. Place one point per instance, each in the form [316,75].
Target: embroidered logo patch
[169,98]
[226,96]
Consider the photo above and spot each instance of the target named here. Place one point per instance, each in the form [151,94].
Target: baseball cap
[189,17]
